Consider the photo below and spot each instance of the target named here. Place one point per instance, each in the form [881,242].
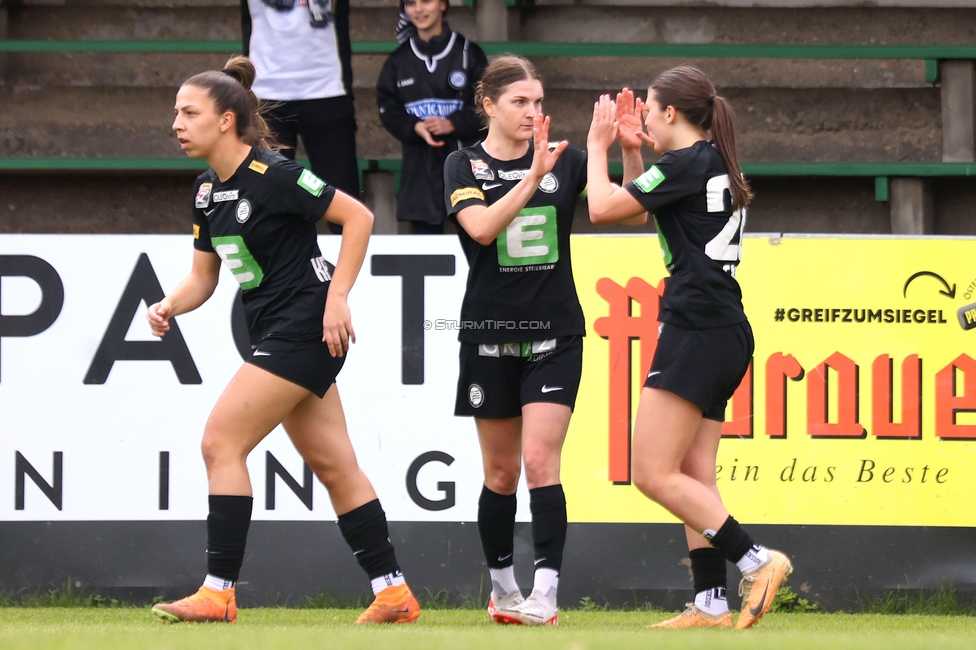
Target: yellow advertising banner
[859,407]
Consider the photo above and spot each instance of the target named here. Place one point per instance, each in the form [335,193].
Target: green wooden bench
[931,54]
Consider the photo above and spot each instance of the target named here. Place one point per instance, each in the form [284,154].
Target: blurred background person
[425,94]
[301,51]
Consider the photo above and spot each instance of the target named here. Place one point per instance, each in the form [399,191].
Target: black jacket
[418,80]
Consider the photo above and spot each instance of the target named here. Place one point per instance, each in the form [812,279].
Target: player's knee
[651,482]
[541,469]
[213,449]
[333,476]
[217,447]
[502,478]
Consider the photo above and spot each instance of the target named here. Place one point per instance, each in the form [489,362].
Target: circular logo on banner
[476,396]
[548,184]
[243,210]
[458,79]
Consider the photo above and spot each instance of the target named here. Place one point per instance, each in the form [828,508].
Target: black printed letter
[412,269]
[143,286]
[52,295]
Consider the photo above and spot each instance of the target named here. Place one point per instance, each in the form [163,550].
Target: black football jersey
[688,192]
[520,287]
[261,222]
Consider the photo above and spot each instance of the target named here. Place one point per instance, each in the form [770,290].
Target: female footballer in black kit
[256,211]
[513,197]
[697,196]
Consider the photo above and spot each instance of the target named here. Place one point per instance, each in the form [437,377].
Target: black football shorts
[306,363]
[497,379]
[702,366]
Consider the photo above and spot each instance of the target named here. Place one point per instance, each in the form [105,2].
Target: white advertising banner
[101,421]
[859,407]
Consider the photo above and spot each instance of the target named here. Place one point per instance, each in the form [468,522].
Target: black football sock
[707,568]
[549,525]
[496,526]
[227,524]
[366,533]
[737,546]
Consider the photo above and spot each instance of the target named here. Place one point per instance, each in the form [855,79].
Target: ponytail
[690,91]
[723,134]
[230,90]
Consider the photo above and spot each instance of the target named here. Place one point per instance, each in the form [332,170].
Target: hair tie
[230,73]
[711,99]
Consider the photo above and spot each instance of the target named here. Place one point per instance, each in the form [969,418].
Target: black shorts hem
[307,364]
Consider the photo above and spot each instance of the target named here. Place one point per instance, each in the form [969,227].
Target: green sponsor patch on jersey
[236,257]
[530,239]
[649,179]
[312,183]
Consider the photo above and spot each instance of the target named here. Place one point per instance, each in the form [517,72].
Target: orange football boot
[694,617]
[205,606]
[759,588]
[392,605]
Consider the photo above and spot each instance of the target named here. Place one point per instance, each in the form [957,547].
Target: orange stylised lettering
[883,423]
[949,402]
[621,327]
[818,424]
[779,367]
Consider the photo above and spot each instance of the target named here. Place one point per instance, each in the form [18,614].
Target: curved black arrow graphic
[951,292]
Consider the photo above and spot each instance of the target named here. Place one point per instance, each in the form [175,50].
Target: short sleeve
[460,187]
[581,179]
[664,183]
[201,226]
[300,192]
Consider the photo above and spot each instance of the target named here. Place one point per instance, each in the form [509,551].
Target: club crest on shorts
[476,396]
[243,210]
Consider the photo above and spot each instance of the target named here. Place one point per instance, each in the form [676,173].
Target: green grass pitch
[277,628]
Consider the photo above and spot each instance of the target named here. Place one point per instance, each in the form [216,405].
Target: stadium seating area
[851,118]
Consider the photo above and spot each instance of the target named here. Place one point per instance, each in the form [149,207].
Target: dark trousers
[327,128]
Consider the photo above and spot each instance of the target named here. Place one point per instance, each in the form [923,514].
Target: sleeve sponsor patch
[196,231]
[650,179]
[203,195]
[311,183]
[257,166]
[482,171]
[466,193]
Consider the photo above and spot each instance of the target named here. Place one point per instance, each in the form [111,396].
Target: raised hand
[630,126]
[640,109]
[544,158]
[603,127]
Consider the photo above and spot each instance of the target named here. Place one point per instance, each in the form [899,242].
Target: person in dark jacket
[425,94]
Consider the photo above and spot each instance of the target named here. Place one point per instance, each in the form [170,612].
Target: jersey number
[530,239]
[233,251]
[726,246]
